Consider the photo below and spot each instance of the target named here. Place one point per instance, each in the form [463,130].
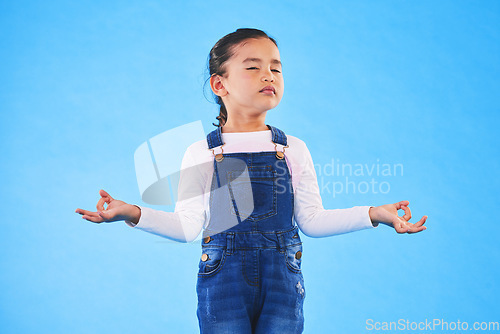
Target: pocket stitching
[216,268]
[290,265]
[273,210]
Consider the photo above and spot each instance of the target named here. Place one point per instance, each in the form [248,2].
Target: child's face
[254,66]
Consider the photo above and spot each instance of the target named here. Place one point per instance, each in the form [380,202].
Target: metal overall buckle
[279,154]
[218,157]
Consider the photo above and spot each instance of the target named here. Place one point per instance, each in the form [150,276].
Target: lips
[268,89]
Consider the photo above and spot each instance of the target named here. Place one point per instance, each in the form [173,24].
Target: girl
[246,186]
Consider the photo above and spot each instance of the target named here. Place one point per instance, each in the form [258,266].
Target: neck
[245,125]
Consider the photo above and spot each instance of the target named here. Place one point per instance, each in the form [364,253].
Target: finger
[93,217]
[416,230]
[401,203]
[100,203]
[85,212]
[407,215]
[421,221]
[417,227]
[110,215]
[103,215]
[103,193]
[400,226]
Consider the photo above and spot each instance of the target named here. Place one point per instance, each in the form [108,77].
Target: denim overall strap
[214,138]
[279,136]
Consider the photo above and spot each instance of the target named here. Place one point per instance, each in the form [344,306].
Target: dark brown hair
[222,51]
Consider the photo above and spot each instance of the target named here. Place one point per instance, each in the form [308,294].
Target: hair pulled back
[222,51]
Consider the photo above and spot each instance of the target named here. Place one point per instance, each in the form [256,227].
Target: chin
[271,105]
[267,108]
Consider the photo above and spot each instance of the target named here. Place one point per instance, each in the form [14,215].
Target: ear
[217,85]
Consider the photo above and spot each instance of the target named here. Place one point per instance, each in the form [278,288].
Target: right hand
[116,210]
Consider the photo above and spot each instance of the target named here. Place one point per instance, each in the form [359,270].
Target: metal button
[298,255]
[204,257]
[280,155]
[219,157]
[207,239]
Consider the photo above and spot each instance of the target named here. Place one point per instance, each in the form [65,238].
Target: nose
[268,76]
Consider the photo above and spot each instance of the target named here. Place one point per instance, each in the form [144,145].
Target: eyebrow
[274,61]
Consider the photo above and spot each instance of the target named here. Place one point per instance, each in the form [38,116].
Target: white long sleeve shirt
[191,213]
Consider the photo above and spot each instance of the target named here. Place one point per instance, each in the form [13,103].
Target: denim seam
[273,211]
[260,232]
[244,271]
[219,136]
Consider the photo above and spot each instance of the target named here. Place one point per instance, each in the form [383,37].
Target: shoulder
[297,154]
[296,144]
[198,146]
[197,153]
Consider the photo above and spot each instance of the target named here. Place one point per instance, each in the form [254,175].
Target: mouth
[268,90]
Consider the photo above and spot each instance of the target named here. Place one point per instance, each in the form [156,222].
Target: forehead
[262,48]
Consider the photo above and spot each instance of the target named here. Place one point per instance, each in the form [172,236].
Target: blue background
[83,84]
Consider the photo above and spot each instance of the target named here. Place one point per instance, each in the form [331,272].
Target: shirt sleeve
[315,221]
[186,222]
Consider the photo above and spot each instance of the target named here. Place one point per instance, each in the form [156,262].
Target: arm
[315,221]
[178,226]
[183,225]
[310,215]
[186,222]
[135,215]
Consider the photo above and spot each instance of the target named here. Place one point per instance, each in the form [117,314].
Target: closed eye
[255,68]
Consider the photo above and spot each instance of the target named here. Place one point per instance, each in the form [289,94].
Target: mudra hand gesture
[388,215]
[116,210]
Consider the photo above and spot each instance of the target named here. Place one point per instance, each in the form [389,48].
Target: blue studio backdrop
[406,92]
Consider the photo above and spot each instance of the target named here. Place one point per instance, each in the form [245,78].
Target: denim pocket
[293,257]
[212,260]
[253,197]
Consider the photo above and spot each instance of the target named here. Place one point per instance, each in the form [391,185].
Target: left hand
[388,215]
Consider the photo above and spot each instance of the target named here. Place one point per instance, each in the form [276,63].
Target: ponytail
[222,118]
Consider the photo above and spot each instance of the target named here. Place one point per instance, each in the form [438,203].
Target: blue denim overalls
[249,278]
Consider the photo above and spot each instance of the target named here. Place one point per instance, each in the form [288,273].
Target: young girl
[246,186]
